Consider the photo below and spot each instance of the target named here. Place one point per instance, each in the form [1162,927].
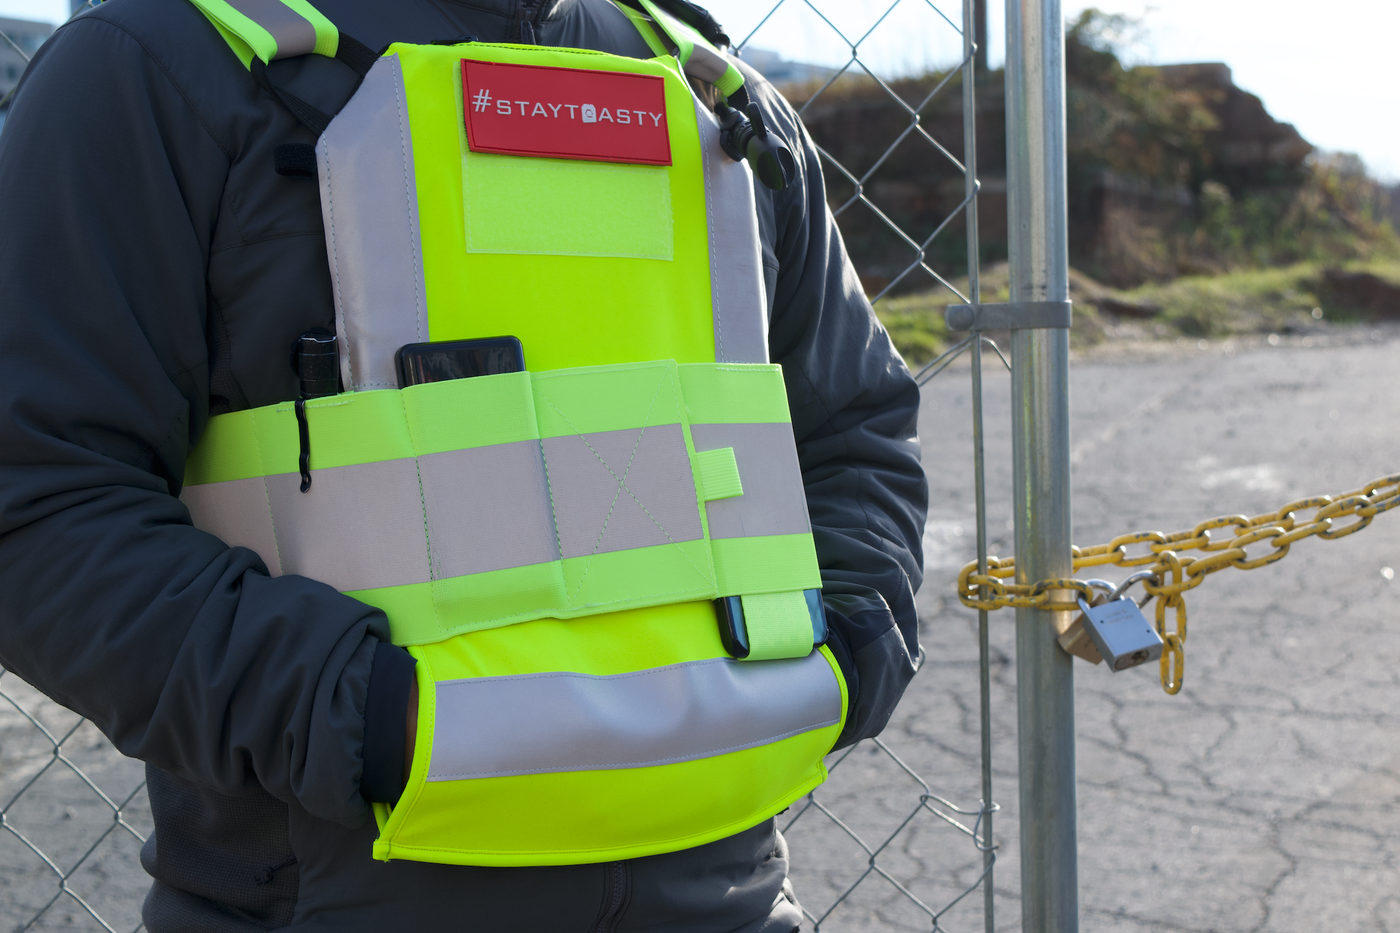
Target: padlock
[1120,632]
[1075,640]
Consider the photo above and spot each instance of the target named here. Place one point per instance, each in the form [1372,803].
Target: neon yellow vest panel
[547,544]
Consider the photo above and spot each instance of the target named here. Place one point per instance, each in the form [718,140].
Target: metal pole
[979,22]
[1037,228]
[974,19]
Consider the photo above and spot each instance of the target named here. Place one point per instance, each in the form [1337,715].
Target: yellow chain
[1177,574]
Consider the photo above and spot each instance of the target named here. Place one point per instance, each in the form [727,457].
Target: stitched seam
[348,357]
[408,202]
[574,675]
[607,519]
[169,77]
[423,505]
[622,485]
[650,599]
[714,256]
[815,394]
[616,492]
[422,497]
[553,515]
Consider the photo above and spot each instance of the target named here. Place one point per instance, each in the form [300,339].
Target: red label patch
[565,113]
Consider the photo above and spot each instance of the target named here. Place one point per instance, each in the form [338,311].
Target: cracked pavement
[1264,797]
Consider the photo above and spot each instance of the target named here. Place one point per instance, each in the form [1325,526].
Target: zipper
[617,898]
[527,14]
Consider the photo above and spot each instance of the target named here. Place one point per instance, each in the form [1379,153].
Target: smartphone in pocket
[418,363]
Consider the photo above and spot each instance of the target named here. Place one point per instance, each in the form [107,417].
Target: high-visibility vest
[548,544]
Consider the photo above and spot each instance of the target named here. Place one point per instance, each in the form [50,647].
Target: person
[156,271]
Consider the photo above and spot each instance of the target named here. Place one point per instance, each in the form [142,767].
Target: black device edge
[399,353]
[734,634]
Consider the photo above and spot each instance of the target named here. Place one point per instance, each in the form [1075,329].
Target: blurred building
[780,71]
[28,36]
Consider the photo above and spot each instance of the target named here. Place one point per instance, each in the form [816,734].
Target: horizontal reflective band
[558,722]
[485,510]
[369,207]
[238,512]
[347,530]
[621,490]
[774,501]
[363,527]
[472,503]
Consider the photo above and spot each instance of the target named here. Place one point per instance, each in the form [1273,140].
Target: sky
[1330,74]
[1325,73]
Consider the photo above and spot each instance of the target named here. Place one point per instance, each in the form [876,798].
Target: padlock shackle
[1132,578]
[1098,585]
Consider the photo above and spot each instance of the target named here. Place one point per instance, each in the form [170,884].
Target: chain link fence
[877,847]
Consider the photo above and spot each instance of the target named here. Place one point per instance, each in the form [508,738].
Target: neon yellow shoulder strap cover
[271,31]
[294,27]
[697,56]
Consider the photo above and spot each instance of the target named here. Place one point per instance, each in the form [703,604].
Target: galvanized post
[974,56]
[1038,234]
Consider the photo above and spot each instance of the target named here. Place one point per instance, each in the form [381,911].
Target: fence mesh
[876,848]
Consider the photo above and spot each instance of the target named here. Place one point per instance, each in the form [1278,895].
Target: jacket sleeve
[854,412]
[182,650]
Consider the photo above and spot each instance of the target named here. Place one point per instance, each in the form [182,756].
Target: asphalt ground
[1263,797]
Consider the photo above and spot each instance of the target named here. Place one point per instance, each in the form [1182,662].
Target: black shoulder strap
[350,51]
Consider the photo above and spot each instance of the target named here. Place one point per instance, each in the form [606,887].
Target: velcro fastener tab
[719,474]
[779,625]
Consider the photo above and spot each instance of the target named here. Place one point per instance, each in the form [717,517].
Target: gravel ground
[1265,796]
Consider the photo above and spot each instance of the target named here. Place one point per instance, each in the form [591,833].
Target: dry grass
[1250,301]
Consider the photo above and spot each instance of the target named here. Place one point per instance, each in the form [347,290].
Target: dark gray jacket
[153,272]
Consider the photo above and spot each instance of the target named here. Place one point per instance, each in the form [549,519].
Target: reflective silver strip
[371,525]
[369,202]
[292,32]
[359,527]
[373,238]
[618,490]
[774,501]
[239,514]
[487,508]
[736,261]
[536,723]
[706,64]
